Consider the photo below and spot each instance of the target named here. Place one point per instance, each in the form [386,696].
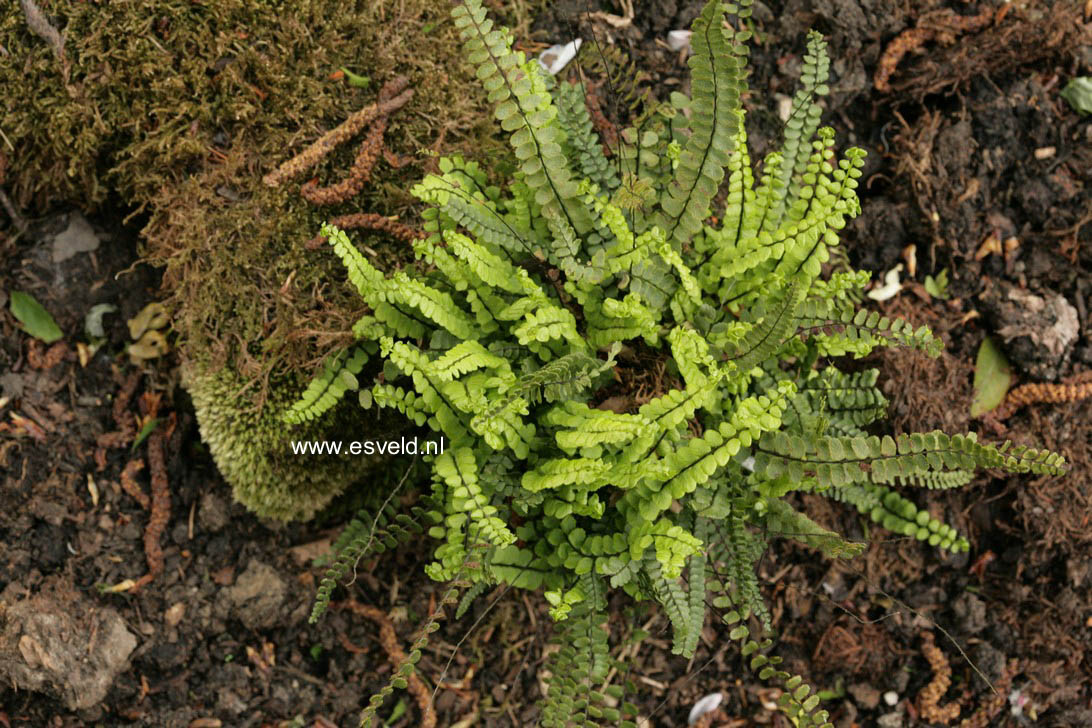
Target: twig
[13,213]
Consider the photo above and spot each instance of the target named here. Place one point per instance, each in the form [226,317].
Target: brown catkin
[1072,390]
[359,173]
[369,221]
[929,697]
[391,98]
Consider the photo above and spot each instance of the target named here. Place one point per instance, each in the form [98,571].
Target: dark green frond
[716,75]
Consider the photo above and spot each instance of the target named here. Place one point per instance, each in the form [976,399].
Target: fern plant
[630,392]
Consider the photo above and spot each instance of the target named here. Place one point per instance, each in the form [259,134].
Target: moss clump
[178,109]
[253,449]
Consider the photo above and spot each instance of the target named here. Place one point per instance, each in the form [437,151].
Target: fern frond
[524,109]
[841,328]
[898,515]
[800,128]
[796,701]
[583,146]
[406,666]
[368,533]
[770,333]
[577,672]
[781,519]
[469,596]
[326,390]
[716,83]
[837,461]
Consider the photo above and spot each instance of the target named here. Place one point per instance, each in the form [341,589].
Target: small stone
[212,512]
[174,614]
[865,695]
[1038,332]
[971,613]
[78,237]
[230,702]
[60,643]
[891,720]
[257,595]
[891,697]
[224,576]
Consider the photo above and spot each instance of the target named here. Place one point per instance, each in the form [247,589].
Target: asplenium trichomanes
[630,390]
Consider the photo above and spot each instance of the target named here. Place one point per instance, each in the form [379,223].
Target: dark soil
[220,636]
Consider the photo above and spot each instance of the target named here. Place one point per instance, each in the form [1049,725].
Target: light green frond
[327,389]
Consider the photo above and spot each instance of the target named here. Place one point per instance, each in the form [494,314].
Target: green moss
[253,448]
[178,109]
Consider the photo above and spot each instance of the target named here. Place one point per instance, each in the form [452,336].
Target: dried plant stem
[160,507]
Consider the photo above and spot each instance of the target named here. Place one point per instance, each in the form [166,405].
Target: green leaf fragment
[35,320]
[992,377]
[1078,92]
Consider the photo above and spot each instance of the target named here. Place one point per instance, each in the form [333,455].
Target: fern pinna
[630,392]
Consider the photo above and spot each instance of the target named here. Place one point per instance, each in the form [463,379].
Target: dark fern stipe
[585,281]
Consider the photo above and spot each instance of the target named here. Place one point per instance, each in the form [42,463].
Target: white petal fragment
[891,285]
[706,705]
[678,39]
[555,58]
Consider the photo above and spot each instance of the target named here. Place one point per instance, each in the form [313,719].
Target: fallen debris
[60,643]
